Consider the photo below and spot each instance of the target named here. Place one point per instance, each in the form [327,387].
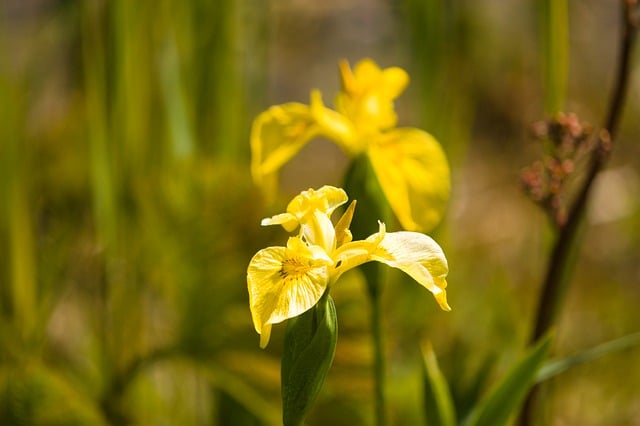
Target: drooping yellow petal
[420,257]
[284,282]
[277,135]
[265,336]
[413,173]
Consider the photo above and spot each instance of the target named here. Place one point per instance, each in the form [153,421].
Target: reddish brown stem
[561,262]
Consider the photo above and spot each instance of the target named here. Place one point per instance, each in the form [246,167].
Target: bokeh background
[128,216]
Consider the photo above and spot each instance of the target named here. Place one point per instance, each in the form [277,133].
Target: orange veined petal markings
[284,282]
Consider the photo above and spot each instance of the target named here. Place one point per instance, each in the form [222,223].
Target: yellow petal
[351,255]
[365,74]
[284,282]
[288,221]
[311,209]
[343,234]
[348,80]
[325,199]
[368,94]
[393,82]
[318,230]
[277,135]
[355,253]
[414,175]
[389,83]
[334,125]
[420,257]
[265,335]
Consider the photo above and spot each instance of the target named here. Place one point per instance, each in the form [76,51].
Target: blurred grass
[14,187]
[129,216]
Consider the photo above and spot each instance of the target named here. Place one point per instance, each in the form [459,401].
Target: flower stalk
[374,287]
[399,168]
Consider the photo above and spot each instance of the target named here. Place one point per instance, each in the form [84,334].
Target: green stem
[362,185]
[555,38]
[374,286]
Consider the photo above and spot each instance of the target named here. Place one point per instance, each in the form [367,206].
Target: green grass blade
[502,401]
[553,368]
[16,211]
[182,139]
[103,186]
[438,405]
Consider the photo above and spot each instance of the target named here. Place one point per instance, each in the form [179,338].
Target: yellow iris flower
[284,282]
[409,163]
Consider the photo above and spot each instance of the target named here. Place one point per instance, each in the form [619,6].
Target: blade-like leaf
[553,368]
[438,406]
[309,347]
[503,400]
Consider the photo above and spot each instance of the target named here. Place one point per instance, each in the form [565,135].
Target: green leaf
[438,405]
[361,184]
[503,400]
[553,368]
[309,347]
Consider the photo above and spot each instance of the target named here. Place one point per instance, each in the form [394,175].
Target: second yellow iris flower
[408,162]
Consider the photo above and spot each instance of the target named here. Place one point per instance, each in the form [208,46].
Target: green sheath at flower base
[285,282]
[409,163]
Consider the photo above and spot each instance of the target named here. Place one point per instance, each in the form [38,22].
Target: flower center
[294,268]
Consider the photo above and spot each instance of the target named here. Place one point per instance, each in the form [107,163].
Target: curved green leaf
[309,347]
[438,405]
[553,368]
[503,400]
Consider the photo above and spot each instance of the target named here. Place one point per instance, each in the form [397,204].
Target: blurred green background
[128,216]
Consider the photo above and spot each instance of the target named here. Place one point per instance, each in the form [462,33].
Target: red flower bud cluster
[546,181]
